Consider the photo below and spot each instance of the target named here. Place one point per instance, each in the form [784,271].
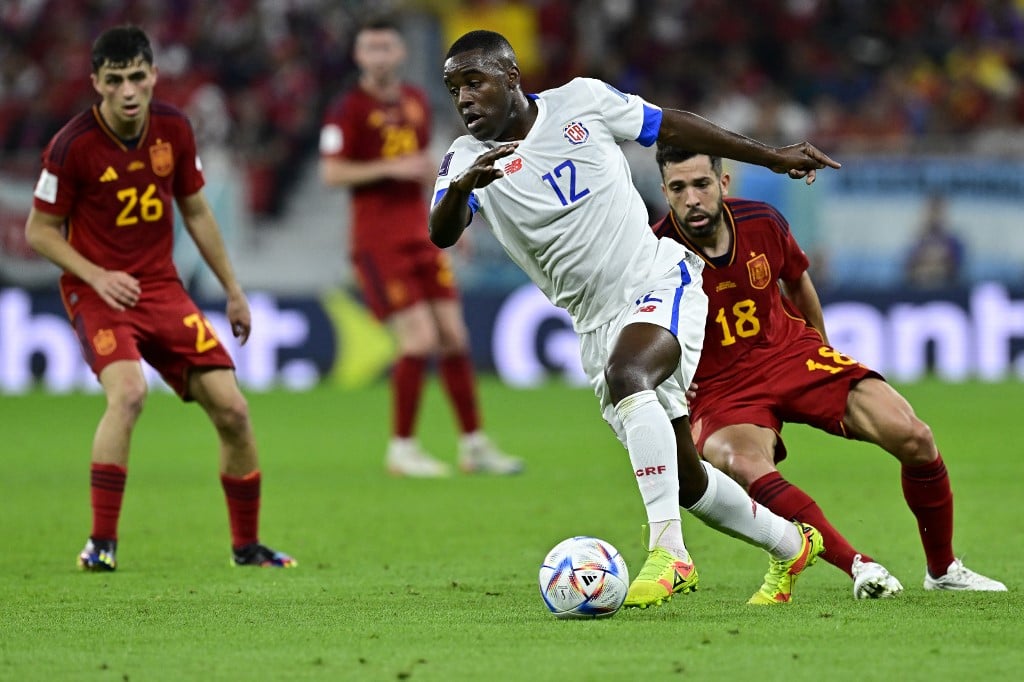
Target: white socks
[726,507]
[651,443]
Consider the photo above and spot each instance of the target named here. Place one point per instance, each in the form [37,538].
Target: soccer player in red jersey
[766,361]
[374,140]
[103,213]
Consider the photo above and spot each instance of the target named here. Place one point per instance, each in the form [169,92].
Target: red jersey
[746,310]
[359,127]
[117,195]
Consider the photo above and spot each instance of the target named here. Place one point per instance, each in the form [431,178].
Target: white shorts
[676,302]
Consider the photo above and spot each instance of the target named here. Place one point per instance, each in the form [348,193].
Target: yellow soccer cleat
[662,576]
[782,574]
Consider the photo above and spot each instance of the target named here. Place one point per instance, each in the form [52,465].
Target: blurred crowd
[851,75]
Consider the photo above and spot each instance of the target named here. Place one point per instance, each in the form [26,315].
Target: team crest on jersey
[575,132]
[104,342]
[760,272]
[162,158]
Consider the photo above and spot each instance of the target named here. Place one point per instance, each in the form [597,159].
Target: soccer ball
[583,577]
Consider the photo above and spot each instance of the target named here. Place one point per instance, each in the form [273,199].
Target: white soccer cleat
[960,578]
[406,458]
[871,580]
[478,455]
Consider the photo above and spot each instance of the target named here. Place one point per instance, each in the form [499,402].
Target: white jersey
[566,211]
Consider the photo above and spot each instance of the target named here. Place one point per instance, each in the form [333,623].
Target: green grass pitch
[436,580]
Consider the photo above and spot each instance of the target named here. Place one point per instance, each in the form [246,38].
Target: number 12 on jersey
[569,169]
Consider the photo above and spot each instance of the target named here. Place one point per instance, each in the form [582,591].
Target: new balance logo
[108,175]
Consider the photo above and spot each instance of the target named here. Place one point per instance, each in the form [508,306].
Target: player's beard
[702,231]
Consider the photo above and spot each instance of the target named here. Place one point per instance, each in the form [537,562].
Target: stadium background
[917,98]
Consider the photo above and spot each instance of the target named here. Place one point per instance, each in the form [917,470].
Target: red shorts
[397,279]
[804,383]
[165,328]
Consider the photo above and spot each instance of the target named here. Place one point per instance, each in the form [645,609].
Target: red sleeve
[340,132]
[795,261]
[57,187]
[189,178]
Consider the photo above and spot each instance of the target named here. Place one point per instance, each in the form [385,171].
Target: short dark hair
[380,23]
[120,46]
[667,154]
[489,42]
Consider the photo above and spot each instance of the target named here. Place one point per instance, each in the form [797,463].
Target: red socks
[459,382]
[406,389]
[106,486]
[243,497]
[790,502]
[927,492]
[107,491]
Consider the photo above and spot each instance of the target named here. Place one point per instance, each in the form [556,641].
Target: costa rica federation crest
[575,132]
[760,271]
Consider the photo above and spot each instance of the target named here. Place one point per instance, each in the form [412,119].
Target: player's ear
[513,76]
[726,179]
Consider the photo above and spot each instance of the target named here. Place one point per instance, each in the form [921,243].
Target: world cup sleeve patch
[445,163]
[46,187]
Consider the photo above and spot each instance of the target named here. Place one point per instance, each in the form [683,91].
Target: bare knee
[741,464]
[917,444]
[231,417]
[126,400]
[624,379]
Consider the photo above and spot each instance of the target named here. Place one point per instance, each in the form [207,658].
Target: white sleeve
[628,117]
[458,158]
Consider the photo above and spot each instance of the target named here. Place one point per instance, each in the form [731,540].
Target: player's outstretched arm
[202,226]
[686,130]
[450,216]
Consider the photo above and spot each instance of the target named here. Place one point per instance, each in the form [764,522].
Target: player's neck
[718,244]
[387,89]
[520,120]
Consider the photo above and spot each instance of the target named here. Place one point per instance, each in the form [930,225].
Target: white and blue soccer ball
[583,577]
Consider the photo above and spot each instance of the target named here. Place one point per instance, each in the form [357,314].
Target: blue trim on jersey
[474,203]
[684,275]
[532,96]
[652,124]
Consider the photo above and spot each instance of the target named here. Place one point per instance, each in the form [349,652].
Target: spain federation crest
[104,342]
[162,158]
[575,132]
[760,271]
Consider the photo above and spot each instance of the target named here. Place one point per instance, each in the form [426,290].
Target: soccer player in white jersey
[546,173]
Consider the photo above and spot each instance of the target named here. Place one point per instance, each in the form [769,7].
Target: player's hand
[118,289]
[239,316]
[483,171]
[802,160]
[691,393]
